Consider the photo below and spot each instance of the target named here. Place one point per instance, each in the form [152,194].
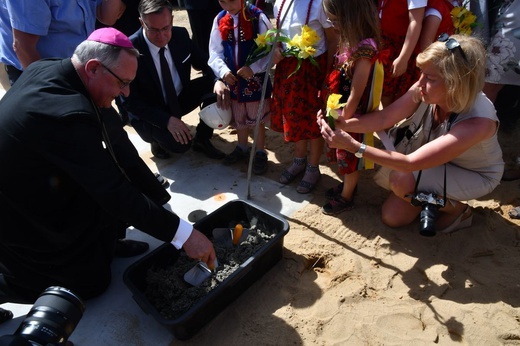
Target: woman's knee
[389,218]
[397,212]
[401,183]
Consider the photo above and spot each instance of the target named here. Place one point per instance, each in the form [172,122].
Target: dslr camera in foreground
[430,204]
[51,320]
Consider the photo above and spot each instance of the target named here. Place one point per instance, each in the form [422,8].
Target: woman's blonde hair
[462,72]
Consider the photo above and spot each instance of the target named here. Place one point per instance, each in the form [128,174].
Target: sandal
[459,223]
[337,205]
[291,173]
[310,179]
[514,213]
[260,162]
[336,191]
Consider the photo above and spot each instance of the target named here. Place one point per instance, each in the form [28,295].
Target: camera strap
[448,127]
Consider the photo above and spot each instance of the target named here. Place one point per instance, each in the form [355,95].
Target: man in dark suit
[86,179]
[155,112]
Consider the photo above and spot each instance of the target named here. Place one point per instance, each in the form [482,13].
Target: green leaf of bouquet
[297,68]
[331,122]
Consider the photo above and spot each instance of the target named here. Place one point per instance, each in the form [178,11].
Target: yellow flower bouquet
[300,46]
[463,20]
[333,106]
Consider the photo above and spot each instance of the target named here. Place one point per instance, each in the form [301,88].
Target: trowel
[198,273]
[230,237]
[227,237]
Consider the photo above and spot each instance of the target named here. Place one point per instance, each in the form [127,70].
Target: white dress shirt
[154,51]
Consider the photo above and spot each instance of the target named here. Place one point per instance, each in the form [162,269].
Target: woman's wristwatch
[361,150]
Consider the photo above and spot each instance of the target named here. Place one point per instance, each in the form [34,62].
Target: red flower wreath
[245,24]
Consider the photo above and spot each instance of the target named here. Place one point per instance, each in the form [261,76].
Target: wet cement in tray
[172,296]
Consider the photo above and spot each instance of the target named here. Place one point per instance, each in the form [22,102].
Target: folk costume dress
[339,81]
[441,9]
[296,99]
[231,41]
[394,20]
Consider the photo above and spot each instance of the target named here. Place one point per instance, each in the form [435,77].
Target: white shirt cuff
[182,234]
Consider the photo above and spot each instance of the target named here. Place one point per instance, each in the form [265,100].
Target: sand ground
[349,279]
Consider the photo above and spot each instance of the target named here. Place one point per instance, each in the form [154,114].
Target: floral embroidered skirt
[504,48]
[396,87]
[296,100]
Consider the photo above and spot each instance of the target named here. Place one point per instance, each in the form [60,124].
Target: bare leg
[316,151]
[260,138]
[300,149]
[243,137]
[397,210]
[349,184]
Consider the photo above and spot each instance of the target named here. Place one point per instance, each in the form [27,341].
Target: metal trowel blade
[198,273]
[223,236]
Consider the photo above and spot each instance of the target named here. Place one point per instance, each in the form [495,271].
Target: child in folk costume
[401,25]
[437,20]
[296,100]
[356,76]
[231,41]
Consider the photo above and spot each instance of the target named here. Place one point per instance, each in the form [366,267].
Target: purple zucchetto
[110,36]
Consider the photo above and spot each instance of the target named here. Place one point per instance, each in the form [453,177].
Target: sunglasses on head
[451,44]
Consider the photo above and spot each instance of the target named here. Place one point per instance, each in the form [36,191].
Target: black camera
[51,320]
[430,204]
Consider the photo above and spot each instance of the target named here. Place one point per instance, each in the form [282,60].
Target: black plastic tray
[215,301]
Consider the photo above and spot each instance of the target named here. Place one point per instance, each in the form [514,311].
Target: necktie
[169,88]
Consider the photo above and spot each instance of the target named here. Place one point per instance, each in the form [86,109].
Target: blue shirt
[61,25]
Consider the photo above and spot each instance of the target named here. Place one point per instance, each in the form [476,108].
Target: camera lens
[427,219]
[52,318]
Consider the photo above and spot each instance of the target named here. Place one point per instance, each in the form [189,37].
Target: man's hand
[223,97]
[179,130]
[198,246]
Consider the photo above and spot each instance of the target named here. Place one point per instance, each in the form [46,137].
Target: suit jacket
[146,100]
[60,202]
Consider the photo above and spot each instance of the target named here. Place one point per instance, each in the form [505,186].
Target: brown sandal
[310,179]
[296,169]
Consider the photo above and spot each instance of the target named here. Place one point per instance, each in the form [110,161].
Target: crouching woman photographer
[460,159]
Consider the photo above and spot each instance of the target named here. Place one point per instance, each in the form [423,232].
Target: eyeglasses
[157,31]
[123,83]
[451,44]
